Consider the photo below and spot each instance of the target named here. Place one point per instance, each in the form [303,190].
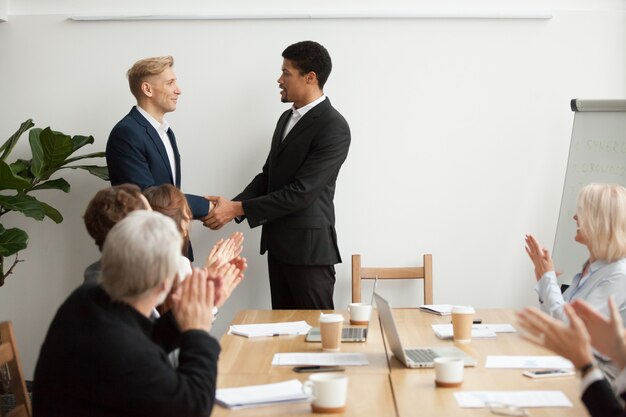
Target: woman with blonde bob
[601,220]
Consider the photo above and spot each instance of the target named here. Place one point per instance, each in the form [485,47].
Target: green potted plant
[51,151]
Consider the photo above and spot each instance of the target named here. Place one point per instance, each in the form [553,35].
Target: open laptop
[415,357]
[348,334]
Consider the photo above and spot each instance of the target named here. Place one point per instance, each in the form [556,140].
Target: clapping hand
[539,256]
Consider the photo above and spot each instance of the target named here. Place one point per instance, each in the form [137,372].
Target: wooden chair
[424,273]
[10,357]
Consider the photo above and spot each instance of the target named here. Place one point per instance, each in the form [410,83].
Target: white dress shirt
[162,129]
[297,114]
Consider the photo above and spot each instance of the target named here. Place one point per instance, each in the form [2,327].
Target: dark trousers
[301,287]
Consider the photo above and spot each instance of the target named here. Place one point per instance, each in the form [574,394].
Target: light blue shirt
[602,280]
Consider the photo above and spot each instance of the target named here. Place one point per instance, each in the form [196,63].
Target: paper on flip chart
[479,399]
[323,359]
[261,395]
[270,329]
[528,362]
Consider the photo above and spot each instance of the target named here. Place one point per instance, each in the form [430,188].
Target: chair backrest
[424,273]
[10,357]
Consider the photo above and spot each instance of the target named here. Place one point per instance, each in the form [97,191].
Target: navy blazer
[292,198]
[135,154]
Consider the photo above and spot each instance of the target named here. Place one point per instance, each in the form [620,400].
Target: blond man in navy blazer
[142,147]
[292,198]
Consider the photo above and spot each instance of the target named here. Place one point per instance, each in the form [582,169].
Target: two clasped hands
[221,211]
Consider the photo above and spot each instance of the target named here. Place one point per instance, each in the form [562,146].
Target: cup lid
[330,318]
[463,310]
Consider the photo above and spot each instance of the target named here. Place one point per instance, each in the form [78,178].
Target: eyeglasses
[506,409]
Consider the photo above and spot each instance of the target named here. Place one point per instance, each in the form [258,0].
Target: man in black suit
[104,357]
[142,148]
[292,198]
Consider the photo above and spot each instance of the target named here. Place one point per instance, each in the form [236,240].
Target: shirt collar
[159,127]
[597,264]
[304,109]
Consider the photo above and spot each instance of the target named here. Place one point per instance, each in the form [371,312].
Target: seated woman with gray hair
[601,220]
[103,356]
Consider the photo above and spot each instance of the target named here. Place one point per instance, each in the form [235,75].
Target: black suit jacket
[601,402]
[135,154]
[292,198]
[104,359]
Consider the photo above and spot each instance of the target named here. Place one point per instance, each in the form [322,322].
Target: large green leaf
[89,155]
[8,146]
[79,141]
[37,151]
[12,241]
[52,213]
[9,181]
[58,184]
[21,167]
[56,147]
[99,171]
[25,204]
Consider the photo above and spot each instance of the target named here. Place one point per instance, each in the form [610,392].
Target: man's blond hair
[145,68]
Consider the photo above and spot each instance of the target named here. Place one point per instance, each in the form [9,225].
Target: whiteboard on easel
[597,155]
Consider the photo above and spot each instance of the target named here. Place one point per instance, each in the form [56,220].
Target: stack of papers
[528,362]
[440,309]
[261,395]
[323,359]
[270,329]
[478,399]
[444,331]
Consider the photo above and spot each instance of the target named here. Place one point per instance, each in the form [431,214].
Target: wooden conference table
[385,387]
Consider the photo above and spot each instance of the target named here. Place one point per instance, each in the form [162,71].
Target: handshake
[221,211]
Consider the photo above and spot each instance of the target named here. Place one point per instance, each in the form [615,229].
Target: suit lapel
[307,120]
[280,128]
[156,141]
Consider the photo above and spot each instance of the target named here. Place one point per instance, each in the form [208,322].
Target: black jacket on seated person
[601,402]
[103,358]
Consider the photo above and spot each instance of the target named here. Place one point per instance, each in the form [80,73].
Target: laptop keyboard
[352,333]
[421,355]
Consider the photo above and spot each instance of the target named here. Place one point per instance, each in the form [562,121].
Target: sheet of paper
[528,362]
[444,331]
[478,399]
[270,329]
[497,327]
[441,309]
[324,359]
[261,395]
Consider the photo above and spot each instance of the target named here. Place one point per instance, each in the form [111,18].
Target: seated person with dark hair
[104,211]
[103,356]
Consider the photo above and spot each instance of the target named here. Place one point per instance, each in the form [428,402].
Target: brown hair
[145,68]
[108,207]
[170,201]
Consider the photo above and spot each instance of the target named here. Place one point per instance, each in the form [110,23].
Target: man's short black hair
[309,56]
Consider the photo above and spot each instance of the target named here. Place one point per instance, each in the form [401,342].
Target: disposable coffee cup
[449,372]
[462,317]
[329,392]
[360,313]
[330,329]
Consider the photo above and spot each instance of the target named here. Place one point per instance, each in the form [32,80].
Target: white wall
[460,129]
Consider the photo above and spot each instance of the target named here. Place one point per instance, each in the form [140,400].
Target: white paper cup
[330,330]
[360,313]
[462,317]
[449,372]
[329,392]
